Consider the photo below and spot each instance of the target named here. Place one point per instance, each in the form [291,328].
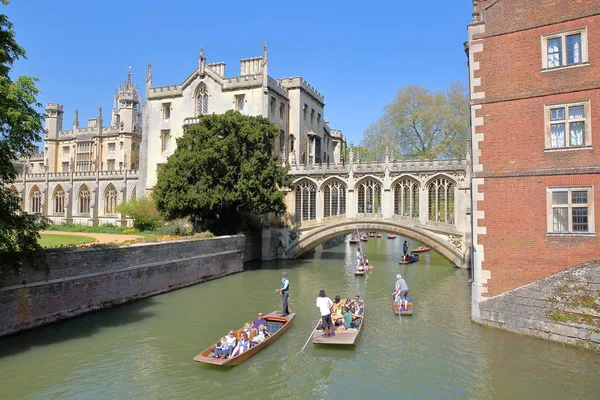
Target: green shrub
[175,227]
[142,211]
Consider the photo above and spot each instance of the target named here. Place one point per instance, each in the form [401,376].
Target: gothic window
[334,199]
[239,103]
[134,193]
[36,200]
[406,198]
[306,201]
[202,100]
[165,140]
[59,200]
[110,200]
[84,200]
[441,200]
[369,196]
[281,110]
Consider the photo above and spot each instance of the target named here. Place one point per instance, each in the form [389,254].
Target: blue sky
[358,54]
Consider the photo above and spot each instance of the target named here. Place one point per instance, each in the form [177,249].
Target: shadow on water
[77,327]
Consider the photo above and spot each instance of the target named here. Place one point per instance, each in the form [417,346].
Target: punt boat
[391,236]
[413,259]
[420,249]
[400,309]
[342,336]
[276,326]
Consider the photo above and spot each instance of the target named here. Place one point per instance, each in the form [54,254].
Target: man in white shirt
[324,304]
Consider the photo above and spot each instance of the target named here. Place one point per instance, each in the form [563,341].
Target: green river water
[144,350]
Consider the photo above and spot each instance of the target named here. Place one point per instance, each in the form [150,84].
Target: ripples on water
[145,349]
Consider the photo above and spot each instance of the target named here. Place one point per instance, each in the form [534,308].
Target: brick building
[534,71]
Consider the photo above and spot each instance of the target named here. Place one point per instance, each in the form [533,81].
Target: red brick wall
[511,64]
[511,15]
[516,169]
[517,250]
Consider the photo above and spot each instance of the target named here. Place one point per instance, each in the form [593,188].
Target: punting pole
[311,333]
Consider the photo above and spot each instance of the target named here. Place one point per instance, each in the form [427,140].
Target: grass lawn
[49,240]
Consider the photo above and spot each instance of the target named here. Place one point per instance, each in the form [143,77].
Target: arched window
[59,200]
[110,200]
[306,201]
[134,193]
[36,200]
[369,196]
[201,99]
[84,200]
[334,199]
[441,200]
[406,198]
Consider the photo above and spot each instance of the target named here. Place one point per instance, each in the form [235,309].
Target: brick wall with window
[536,99]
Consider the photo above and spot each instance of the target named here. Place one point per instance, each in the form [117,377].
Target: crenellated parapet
[298,82]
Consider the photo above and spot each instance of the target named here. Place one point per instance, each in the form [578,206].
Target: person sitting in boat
[262,329]
[347,315]
[243,345]
[336,308]
[358,258]
[358,306]
[247,328]
[339,323]
[222,349]
[260,320]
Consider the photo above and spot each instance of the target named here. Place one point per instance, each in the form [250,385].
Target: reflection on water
[145,349]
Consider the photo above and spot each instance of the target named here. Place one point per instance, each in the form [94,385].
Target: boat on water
[276,326]
[364,238]
[353,241]
[360,270]
[379,234]
[372,234]
[400,308]
[411,259]
[420,249]
[342,336]
[391,236]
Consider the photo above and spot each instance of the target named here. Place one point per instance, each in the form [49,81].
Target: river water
[144,350]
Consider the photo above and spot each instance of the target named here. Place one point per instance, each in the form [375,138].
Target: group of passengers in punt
[253,334]
[345,314]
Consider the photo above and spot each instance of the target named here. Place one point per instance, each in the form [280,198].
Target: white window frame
[240,103]
[563,36]
[587,120]
[166,111]
[570,205]
[165,140]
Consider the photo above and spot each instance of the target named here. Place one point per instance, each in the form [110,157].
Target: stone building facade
[535,113]
[83,173]
[292,104]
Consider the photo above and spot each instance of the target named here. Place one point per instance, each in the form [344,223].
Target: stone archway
[309,240]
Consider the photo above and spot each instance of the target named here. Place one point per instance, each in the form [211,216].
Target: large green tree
[20,128]
[423,124]
[221,171]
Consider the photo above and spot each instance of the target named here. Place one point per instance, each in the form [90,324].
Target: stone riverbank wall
[82,280]
[564,307]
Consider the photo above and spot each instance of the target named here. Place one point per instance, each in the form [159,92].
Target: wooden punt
[379,234]
[415,259]
[359,272]
[364,239]
[353,241]
[420,249]
[402,311]
[342,336]
[391,236]
[276,325]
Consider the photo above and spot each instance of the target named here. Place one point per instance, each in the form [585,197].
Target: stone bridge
[428,201]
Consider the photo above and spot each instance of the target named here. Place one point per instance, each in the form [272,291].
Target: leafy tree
[222,170]
[20,128]
[422,124]
[143,212]
[360,152]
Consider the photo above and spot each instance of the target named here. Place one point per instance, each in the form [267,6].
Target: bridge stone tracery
[428,201]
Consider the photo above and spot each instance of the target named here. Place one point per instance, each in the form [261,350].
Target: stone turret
[201,61]
[76,120]
[54,120]
[128,102]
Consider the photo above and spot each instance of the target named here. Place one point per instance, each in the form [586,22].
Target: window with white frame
[564,49]
[570,210]
[66,150]
[568,125]
[112,147]
[65,166]
[110,165]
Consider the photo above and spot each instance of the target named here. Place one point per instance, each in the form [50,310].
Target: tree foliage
[222,170]
[143,212]
[360,154]
[20,128]
[422,124]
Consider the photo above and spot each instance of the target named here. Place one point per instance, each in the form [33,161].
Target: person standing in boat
[284,292]
[358,258]
[405,249]
[324,305]
[401,290]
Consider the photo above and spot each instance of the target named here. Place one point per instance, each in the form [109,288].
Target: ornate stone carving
[456,241]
